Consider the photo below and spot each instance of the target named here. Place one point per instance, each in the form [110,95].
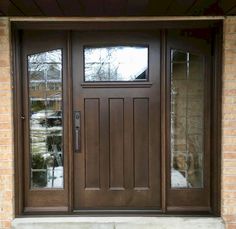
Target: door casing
[17,28]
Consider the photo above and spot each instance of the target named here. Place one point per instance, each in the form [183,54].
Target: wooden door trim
[115,19]
[117,85]
[17,114]
[217,118]
[164,136]
[17,25]
[70,122]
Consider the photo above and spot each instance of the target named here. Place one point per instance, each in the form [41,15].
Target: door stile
[164,128]
[69,111]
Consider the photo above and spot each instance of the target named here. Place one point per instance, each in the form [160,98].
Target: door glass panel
[116,63]
[46,130]
[187,116]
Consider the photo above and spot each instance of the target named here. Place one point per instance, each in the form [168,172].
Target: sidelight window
[45,119]
[187,119]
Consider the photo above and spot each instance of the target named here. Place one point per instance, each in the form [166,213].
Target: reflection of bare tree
[41,63]
[187,119]
[105,66]
[44,71]
[109,64]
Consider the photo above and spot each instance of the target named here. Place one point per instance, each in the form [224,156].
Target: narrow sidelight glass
[45,122]
[187,119]
[115,63]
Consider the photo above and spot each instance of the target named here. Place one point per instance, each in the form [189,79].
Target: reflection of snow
[44,114]
[178,180]
[55,177]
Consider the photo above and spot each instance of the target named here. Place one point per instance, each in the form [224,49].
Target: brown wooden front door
[117,139]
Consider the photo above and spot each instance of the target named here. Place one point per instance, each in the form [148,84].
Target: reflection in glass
[116,63]
[187,116]
[45,97]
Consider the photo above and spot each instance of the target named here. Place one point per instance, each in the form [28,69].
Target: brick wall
[6,133]
[229,124]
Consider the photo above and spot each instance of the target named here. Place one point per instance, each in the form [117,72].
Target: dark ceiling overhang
[106,8]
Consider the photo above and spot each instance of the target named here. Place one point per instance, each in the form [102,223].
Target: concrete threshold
[118,223]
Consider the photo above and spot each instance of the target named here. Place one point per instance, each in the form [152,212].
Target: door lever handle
[77,140]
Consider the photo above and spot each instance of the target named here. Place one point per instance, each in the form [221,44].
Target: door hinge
[22,117]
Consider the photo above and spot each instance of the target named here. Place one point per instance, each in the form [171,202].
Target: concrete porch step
[118,223]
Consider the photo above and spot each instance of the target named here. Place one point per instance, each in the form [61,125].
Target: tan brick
[229,116]
[225,132]
[230,218]
[5,164]
[229,195]
[230,43]
[6,102]
[229,171]
[5,126]
[229,202]
[230,36]
[229,68]
[8,171]
[6,224]
[231,226]
[5,86]
[230,28]
[229,61]
[5,156]
[229,210]
[6,148]
[4,44]
[229,123]
[6,134]
[228,109]
[229,163]
[229,155]
[230,187]
[5,118]
[229,76]
[6,216]
[229,180]
[8,195]
[230,84]
[5,109]
[6,141]
[227,140]
[229,53]
[4,59]
[229,92]
[229,148]
[4,22]
[6,185]
[229,99]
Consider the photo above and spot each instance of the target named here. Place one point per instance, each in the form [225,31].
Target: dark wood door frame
[215,105]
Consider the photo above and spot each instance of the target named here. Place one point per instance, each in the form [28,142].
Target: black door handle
[77,140]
